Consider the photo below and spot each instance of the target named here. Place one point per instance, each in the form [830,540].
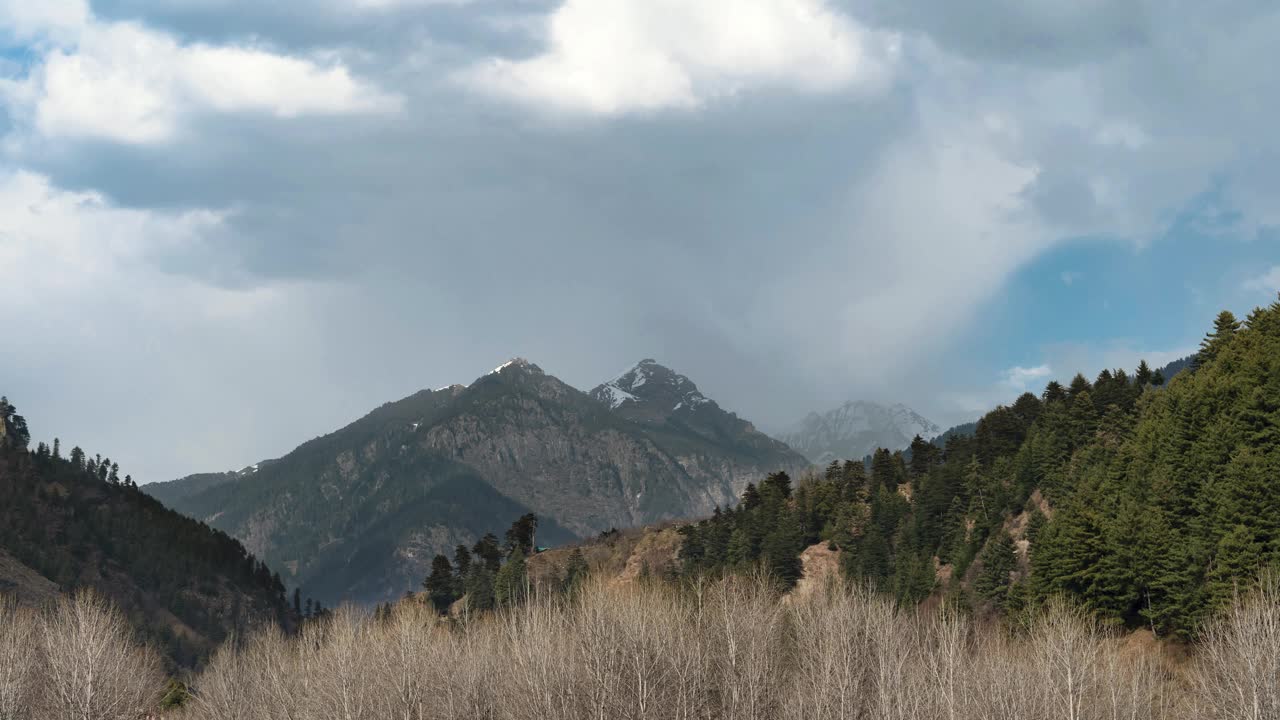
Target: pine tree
[998,560]
[883,472]
[781,550]
[1143,375]
[439,584]
[576,571]
[462,560]
[521,535]
[511,583]
[488,551]
[1224,328]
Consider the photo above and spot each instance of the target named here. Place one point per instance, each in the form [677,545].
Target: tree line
[1148,503]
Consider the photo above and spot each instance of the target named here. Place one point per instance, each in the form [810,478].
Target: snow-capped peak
[661,389]
[613,395]
[513,362]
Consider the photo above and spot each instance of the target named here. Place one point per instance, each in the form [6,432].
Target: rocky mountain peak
[516,364]
[653,387]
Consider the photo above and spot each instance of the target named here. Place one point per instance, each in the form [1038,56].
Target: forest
[1147,504]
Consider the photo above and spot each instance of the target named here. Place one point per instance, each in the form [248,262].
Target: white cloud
[1020,378]
[60,244]
[31,19]
[125,82]
[116,348]
[1268,282]
[616,56]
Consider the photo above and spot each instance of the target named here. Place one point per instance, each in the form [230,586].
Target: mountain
[69,523]
[171,492]
[670,406]
[360,513]
[855,430]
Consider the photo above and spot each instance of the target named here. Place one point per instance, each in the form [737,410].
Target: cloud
[125,82]
[1268,282]
[609,57]
[1020,378]
[120,351]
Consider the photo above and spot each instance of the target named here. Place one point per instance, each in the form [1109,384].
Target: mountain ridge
[417,476]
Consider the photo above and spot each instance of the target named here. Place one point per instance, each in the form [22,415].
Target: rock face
[855,430]
[359,514]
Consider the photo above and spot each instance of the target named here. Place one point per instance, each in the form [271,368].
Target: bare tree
[94,670]
[1238,669]
[20,658]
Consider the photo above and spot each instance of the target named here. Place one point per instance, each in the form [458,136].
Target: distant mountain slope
[671,406]
[855,430]
[360,513]
[70,523]
[172,491]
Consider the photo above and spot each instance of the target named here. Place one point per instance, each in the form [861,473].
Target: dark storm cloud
[787,250]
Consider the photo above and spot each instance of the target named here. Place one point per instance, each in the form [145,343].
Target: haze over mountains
[359,513]
[855,430]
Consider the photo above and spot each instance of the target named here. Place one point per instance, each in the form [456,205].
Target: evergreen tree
[511,583]
[440,584]
[479,587]
[883,472]
[781,550]
[576,571]
[521,535]
[1224,328]
[999,560]
[1143,375]
[488,551]
[462,560]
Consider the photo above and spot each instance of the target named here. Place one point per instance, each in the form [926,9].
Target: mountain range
[855,430]
[359,514]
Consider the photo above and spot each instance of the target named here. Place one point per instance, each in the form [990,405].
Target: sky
[228,226]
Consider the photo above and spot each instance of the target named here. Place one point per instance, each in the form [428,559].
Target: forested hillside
[73,522]
[1146,504]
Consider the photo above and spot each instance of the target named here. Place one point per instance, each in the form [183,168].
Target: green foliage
[576,571]
[511,584]
[1165,498]
[175,695]
[998,561]
[441,585]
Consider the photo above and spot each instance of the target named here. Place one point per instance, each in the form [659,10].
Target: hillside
[855,430]
[360,513]
[72,522]
[1148,505]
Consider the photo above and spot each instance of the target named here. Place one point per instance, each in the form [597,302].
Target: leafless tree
[20,658]
[1238,668]
[93,668]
